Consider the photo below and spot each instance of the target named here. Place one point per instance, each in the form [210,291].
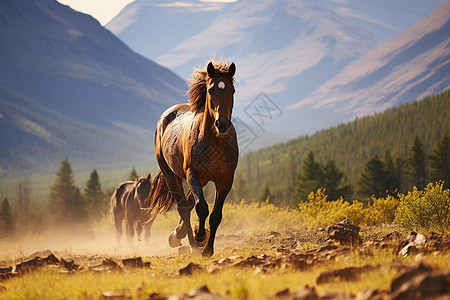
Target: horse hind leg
[139,229]
[147,229]
[180,230]
[130,232]
[118,220]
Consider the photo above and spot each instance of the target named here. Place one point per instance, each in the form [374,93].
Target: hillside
[413,65]
[350,145]
[70,88]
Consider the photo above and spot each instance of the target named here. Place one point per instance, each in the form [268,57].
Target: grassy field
[257,255]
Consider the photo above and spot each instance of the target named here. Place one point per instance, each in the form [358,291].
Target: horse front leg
[222,190]
[201,207]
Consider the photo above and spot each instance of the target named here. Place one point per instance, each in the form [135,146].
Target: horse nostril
[217,123]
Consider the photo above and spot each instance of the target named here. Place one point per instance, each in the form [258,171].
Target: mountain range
[285,49]
[70,88]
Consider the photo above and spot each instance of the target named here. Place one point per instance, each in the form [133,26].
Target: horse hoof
[173,240]
[207,252]
[201,241]
[184,250]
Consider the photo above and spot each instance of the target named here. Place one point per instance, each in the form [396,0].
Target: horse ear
[210,69]
[149,177]
[232,69]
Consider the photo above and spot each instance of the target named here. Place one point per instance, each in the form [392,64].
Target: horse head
[220,96]
[142,188]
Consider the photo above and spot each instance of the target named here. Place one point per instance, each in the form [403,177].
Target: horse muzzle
[222,125]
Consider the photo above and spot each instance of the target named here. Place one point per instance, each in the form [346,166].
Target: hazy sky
[105,10]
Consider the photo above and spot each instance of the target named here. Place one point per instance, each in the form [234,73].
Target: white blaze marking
[221,85]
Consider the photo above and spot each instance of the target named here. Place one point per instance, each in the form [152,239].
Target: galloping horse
[197,142]
[126,203]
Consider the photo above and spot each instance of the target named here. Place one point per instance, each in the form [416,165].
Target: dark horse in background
[197,142]
[126,204]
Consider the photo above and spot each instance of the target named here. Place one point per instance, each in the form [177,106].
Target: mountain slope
[35,139]
[68,62]
[411,66]
[70,88]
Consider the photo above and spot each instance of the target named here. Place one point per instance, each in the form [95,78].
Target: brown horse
[197,142]
[126,203]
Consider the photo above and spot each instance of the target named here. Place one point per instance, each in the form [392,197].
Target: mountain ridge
[71,89]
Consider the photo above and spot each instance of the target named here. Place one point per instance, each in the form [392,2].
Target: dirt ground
[296,251]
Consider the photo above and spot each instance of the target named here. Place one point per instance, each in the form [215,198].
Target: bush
[425,210]
[258,218]
[382,211]
[318,212]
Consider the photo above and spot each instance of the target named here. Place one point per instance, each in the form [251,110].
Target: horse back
[118,198]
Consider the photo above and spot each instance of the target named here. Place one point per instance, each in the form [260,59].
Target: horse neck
[207,124]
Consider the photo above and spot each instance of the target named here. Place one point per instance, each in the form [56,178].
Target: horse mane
[197,85]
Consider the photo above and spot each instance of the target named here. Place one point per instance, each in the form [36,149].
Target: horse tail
[160,199]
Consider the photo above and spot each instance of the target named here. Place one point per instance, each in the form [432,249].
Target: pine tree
[372,180]
[440,161]
[23,192]
[416,164]
[6,219]
[94,196]
[133,175]
[390,180]
[65,200]
[309,180]
[332,182]
[265,194]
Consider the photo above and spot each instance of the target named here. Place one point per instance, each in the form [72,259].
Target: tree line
[350,147]
[381,176]
[67,204]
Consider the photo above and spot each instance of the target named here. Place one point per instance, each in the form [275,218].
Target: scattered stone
[44,253]
[421,283]
[106,265]
[346,274]
[392,236]
[69,265]
[5,270]
[417,242]
[135,262]
[345,233]
[201,293]
[336,296]
[112,295]
[307,293]
[156,296]
[190,269]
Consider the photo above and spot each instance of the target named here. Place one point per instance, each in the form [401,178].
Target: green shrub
[425,210]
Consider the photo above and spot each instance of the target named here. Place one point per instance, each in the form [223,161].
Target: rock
[392,236]
[112,295]
[29,265]
[201,293]
[69,265]
[190,269]
[135,262]
[5,270]
[423,285]
[106,265]
[347,274]
[344,232]
[156,296]
[307,293]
